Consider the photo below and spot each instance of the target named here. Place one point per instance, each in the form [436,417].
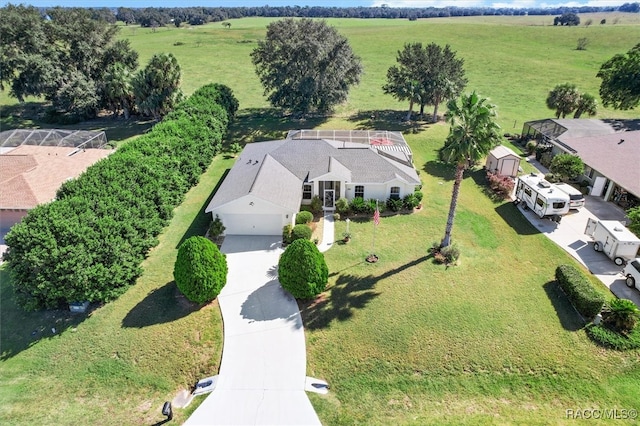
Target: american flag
[376,217]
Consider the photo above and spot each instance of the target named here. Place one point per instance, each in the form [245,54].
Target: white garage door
[253,224]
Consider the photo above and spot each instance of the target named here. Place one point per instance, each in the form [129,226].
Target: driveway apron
[263,369]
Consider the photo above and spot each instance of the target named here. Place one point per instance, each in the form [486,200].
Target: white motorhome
[612,238]
[576,198]
[544,198]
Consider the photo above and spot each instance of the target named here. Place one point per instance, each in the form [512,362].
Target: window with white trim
[306,191]
[359,192]
[394,194]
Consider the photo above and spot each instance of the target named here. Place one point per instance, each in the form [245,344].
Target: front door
[329,199]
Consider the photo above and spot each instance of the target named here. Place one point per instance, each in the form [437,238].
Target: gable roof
[31,175]
[275,171]
[501,151]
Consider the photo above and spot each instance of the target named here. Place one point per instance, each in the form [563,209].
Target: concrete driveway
[569,234]
[263,370]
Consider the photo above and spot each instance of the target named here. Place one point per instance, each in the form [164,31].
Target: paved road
[263,370]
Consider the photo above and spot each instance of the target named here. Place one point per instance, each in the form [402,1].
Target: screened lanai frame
[382,140]
[82,139]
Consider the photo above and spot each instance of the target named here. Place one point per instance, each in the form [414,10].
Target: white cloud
[517,4]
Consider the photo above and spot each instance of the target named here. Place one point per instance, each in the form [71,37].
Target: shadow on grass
[20,330]
[569,318]
[440,170]
[161,305]
[350,292]
[262,124]
[513,217]
[387,119]
[200,223]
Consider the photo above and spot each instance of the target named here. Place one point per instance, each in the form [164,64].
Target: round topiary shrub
[304,217]
[200,270]
[302,270]
[301,232]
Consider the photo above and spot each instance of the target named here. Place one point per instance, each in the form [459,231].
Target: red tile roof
[30,175]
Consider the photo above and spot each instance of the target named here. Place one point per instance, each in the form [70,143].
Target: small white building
[270,180]
[503,161]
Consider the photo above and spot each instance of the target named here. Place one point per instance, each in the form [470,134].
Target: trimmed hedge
[89,243]
[586,299]
[301,232]
[304,217]
[200,270]
[302,270]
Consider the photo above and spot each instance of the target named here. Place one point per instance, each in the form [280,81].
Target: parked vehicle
[576,198]
[632,273]
[544,198]
[612,238]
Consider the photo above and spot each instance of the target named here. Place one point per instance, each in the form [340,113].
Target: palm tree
[587,104]
[473,133]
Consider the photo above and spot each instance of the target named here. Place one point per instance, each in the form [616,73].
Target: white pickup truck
[632,273]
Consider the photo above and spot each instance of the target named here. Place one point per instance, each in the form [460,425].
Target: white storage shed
[503,161]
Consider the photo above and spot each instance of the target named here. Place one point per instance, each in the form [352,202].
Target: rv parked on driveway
[544,198]
[612,238]
[576,198]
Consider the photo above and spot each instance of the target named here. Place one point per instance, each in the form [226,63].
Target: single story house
[503,161]
[610,150]
[269,182]
[33,165]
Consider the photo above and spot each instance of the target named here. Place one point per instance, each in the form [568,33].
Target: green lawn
[490,340]
[118,365]
[401,341]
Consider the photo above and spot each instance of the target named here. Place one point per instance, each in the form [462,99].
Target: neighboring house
[503,161]
[270,180]
[610,150]
[33,165]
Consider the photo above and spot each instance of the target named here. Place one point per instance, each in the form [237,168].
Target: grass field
[403,341]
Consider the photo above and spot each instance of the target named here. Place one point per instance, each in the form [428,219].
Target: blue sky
[339,3]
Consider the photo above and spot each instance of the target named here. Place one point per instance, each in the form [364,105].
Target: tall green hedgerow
[89,243]
[200,270]
[302,270]
[586,299]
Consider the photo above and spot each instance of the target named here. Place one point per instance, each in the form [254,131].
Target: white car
[632,273]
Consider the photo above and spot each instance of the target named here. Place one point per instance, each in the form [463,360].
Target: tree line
[88,244]
[156,17]
[72,59]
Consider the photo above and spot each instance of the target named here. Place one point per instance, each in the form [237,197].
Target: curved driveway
[263,370]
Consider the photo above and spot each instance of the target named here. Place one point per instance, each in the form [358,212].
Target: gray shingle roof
[275,171]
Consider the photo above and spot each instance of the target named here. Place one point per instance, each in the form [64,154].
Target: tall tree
[473,133]
[620,87]
[437,71]
[587,104]
[157,86]
[444,77]
[564,99]
[305,65]
[117,90]
[62,58]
